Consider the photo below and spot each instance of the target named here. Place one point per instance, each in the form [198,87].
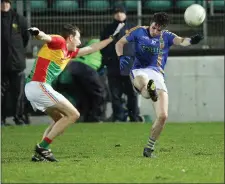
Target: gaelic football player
[152,46]
[52,59]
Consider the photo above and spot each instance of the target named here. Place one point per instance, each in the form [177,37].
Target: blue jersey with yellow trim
[150,52]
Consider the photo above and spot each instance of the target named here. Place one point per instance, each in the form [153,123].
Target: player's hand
[124,61]
[117,31]
[196,38]
[33,31]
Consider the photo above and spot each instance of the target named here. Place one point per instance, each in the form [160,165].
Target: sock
[151,143]
[45,143]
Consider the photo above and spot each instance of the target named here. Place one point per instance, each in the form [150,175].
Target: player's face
[120,16]
[74,41]
[155,30]
[5,6]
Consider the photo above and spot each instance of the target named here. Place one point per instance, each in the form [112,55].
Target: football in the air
[194,15]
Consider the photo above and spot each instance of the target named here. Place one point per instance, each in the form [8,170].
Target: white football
[194,15]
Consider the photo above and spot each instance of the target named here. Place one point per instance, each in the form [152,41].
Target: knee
[73,117]
[76,115]
[162,117]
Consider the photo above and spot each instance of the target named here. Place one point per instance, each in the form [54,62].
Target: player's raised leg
[161,110]
[146,86]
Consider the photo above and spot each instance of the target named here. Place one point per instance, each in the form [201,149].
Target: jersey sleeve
[57,42]
[132,33]
[74,54]
[170,36]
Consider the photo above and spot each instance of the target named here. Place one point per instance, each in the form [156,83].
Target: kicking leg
[146,87]
[161,110]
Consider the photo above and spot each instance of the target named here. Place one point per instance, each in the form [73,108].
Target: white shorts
[151,74]
[42,95]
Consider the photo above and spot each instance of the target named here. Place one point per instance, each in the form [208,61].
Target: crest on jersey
[153,42]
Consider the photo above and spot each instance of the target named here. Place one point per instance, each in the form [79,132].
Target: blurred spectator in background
[81,81]
[119,83]
[14,39]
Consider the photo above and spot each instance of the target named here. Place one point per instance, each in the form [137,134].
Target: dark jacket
[14,37]
[109,56]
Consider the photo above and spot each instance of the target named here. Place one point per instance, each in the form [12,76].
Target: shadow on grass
[160,178]
[165,149]
[202,153]
[15,160]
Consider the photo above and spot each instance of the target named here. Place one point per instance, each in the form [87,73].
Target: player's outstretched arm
[94,47]
[187,41]
[119,46]
[39,35]
[98,46]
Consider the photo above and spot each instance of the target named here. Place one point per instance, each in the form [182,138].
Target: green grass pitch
[188,152]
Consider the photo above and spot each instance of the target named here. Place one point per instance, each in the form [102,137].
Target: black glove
[34,31]
[196,38]
[117,31]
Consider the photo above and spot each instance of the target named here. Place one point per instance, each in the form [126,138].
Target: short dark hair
[6,1]
[161,19]
[119,8]
[68,30]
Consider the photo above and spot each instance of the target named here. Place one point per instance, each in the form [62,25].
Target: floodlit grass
[88,153]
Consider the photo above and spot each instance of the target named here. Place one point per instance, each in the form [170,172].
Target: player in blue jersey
[152,46]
